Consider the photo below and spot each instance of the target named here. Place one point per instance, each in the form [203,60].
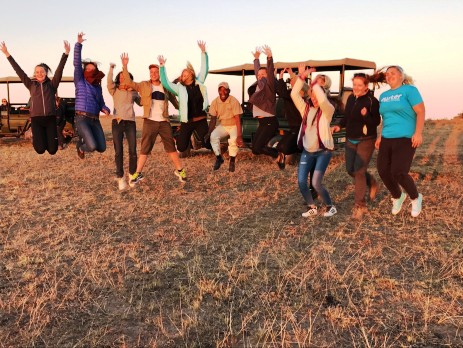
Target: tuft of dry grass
[226,259]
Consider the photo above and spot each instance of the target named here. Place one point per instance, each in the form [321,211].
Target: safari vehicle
[337,67]
[15,120]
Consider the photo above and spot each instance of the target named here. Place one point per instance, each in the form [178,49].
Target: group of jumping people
[393,124]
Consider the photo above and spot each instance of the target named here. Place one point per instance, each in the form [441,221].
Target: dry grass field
[225,260]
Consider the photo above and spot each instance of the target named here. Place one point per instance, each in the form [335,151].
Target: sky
[425,37]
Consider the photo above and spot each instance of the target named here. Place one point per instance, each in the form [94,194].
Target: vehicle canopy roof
[320,65]
[339,65]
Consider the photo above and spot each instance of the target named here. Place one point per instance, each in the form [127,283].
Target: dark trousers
[129,129]
[186,130]
[44,134]
[60,124]
[91,134]
[358,157]
[288,143]
[394,160]
[267,128]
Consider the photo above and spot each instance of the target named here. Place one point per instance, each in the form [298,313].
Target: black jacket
[292,114]
[42,94]
[354,120]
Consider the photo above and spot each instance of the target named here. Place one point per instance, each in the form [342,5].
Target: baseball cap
[224,85]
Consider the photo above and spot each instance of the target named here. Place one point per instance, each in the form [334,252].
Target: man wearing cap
[155,100]
[226,110]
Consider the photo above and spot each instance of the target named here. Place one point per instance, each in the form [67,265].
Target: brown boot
[374,188]
[358,212]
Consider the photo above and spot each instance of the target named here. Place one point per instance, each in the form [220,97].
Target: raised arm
[78,71]
[20,72]
[125,72]
[270,68]
[171,87]
[256,55]
[204,62]
[110,79]
[59,70]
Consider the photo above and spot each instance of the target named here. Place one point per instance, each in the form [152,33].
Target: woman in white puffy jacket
[314,139]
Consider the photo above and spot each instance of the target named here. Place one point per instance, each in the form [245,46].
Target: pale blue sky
[424,37]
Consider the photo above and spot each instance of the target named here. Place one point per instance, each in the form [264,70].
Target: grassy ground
[225,259]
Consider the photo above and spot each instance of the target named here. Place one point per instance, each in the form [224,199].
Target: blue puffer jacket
[89,98]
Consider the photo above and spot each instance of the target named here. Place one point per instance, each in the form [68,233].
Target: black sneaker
[218,162]
[136,178]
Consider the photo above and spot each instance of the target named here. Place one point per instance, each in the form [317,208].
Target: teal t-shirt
[396,108]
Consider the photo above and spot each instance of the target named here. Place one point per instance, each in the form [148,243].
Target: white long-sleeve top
[310,140]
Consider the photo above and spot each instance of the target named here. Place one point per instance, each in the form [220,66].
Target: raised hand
[112,65]
[301,70]
[267,51]
[80,37]
[311,70]
[162,60]
[4,49]
[283,71]
[202,45]
[257,52]
[124,59]
[67,47]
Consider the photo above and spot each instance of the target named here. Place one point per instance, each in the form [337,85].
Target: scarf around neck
[94,77]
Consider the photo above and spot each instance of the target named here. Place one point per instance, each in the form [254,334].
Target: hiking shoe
[374,188]
[397,203]
[358,212]
[416,205]
[121,184]
[231,166]
[313,210]
[80,153]
[180,174]
[218,162]
[135,178]
[330,211]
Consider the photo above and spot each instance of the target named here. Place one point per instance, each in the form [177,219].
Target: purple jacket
[89,98]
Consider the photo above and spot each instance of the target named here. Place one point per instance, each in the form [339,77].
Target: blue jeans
[319,161]
[91,134]
[130,130]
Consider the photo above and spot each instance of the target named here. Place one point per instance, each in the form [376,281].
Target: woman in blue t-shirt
[402,110]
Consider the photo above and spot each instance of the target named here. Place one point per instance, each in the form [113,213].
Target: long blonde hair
[379,76]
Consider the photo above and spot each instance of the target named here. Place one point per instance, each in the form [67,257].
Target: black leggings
[44,134]
[394,160]
[267,128]
[186,130]
[288,143]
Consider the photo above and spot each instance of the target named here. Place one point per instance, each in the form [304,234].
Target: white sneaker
[121,183]
[416,205]
[397,203]
[311,212]
[330,211]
